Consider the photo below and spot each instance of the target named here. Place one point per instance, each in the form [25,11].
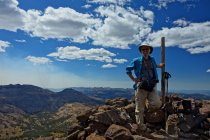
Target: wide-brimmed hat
[146,44]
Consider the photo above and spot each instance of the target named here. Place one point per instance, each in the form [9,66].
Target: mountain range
[33,99]
[111,93]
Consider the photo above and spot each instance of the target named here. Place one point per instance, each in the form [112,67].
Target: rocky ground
[116,121]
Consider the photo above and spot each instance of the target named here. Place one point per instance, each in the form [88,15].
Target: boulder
[85,116]
[94,136]
[75,127]
[205,109]
[109,117]
[137,137]
[119,103]
[130,108]
[117,132]
[108,102]
[190,122]
[100,127]
[125,101]
[153,116]
[115,117]
[171,124]
[101,117]
[104,108]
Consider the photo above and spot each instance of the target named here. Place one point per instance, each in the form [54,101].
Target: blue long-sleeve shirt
[136,65]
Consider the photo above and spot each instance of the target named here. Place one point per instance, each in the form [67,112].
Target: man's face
[145,50]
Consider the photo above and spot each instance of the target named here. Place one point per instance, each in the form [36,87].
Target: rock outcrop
[116,121]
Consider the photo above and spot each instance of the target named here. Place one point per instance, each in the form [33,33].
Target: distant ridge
[111,93]
[33,99]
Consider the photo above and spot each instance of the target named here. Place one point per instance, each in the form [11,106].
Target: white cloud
[72,53]
[4,45]
[118,28]
[61,23]
[208,70]
[122,26]
[197,50]
[21,40]
[119,61]
[164,3]
[195,38]
[39,60]
[181,22]
[108,66]
[119,2]
[87,6]
[12,17]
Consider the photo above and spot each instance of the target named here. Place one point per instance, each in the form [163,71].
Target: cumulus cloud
[39,60]
[72,53]
[119,61]
[208,70]
[122,26]
[111,26]
[12,17]
[61,23]
[108,66]
[181,22]
[4,45]
[195,38]
[118,27]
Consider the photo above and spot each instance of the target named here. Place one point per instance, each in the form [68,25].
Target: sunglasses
[144,49]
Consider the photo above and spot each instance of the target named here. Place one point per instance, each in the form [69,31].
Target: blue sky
[89,43]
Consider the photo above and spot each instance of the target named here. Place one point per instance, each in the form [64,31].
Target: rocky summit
[116,121]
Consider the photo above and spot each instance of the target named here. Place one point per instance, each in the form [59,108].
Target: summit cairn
[116,121]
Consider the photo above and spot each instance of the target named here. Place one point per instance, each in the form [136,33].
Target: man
[144,68]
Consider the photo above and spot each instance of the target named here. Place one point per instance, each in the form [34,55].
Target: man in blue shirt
[144,68]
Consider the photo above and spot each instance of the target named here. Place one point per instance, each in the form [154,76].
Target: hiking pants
[140,99]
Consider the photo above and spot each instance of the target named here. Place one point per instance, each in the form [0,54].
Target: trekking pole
[163,70]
